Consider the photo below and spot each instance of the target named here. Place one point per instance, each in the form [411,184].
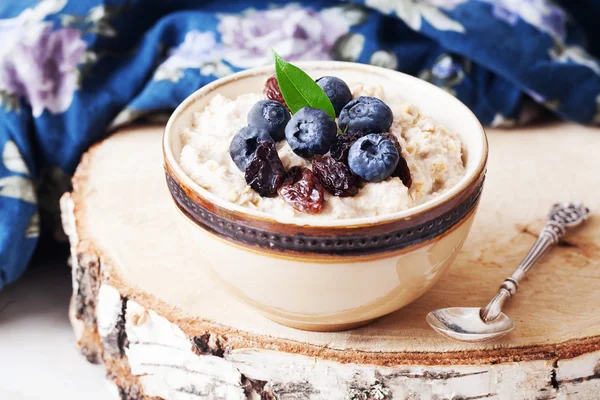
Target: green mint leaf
[298,89]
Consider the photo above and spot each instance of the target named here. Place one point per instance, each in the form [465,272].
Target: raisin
[302,190]
[402,171]
[335,176]
[341,145]
[265,173]
[272,91]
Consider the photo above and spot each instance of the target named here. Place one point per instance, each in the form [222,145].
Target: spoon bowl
[465,324]
[472,324]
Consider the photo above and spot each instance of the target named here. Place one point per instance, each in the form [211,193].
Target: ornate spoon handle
[561,217]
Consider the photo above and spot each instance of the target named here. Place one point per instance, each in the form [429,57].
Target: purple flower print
[504,14]
[198,50]
[295,32]
[446,72]
[544,15]
[40,64]
[446,68]
[198,47]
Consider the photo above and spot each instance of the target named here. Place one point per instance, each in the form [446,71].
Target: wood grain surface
[123,209]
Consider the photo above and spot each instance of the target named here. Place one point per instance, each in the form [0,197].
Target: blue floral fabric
[72,70]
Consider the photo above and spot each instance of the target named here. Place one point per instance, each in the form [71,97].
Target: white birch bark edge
[167,364]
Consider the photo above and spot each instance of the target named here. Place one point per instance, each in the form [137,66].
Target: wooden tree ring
[144,307]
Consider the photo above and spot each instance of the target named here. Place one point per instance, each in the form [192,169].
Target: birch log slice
[144,307]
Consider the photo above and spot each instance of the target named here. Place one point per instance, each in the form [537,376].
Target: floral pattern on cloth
[72,70]
[199,50]
[295,32]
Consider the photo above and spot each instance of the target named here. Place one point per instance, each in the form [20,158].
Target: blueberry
[367,115]
[244,144]
[311,131]
[373,157]
[338,92]
[270,115]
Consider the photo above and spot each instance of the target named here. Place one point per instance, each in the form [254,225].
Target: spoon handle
[561,217]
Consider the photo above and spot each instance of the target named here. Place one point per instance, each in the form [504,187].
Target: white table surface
[38,356]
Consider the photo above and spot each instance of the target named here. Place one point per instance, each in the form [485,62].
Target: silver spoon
[472,324]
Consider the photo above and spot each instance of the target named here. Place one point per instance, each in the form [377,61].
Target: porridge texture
[433,154]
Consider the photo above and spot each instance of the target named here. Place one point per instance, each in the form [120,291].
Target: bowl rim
[464,184]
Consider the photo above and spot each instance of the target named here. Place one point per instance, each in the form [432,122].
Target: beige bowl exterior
[320,290]
[328,296]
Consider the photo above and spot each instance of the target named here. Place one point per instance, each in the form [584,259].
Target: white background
[38,356]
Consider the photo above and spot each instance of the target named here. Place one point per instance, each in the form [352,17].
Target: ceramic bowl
[330,274]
